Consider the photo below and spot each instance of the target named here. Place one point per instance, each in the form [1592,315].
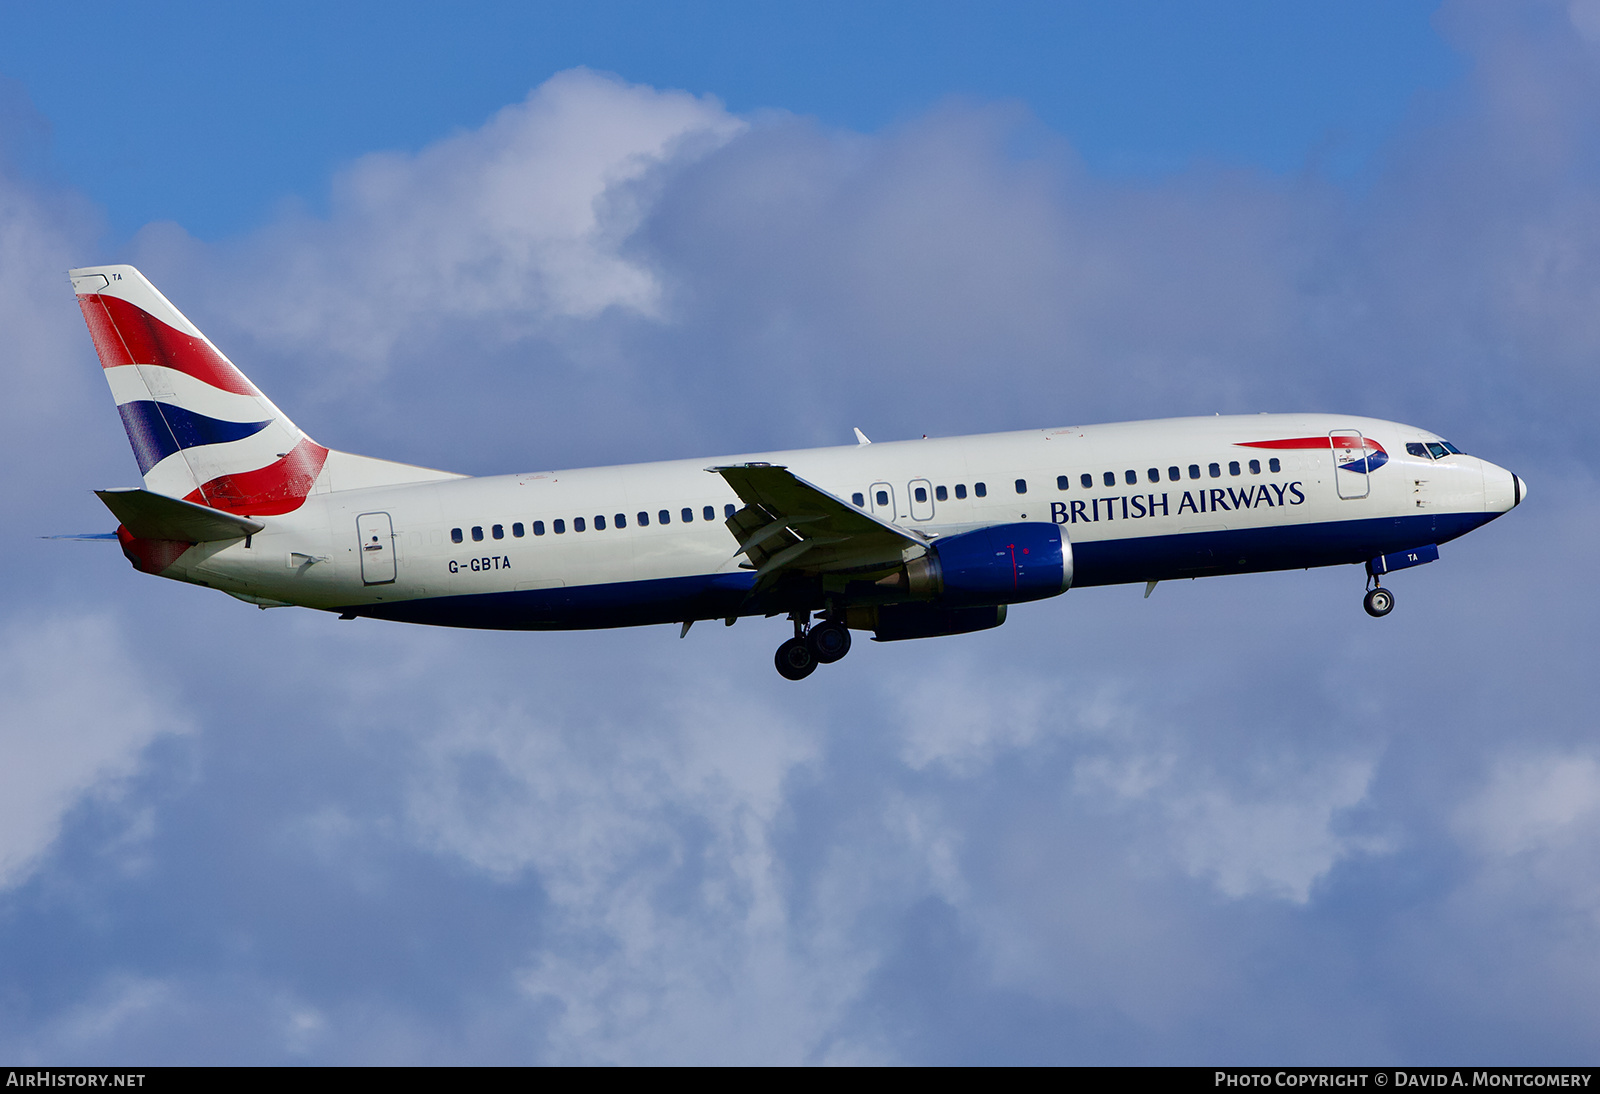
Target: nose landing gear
[811,646]
[1378,602]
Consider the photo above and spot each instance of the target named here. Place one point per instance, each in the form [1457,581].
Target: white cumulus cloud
[75,714]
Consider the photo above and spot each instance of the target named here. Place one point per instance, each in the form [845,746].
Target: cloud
[1533,826]
[1220,822]
[656,844]
[510,226]
[75,715]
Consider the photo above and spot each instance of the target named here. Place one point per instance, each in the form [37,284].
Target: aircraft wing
[789,526]
[156,516]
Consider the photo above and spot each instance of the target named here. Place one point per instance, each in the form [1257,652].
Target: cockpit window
[1437,451]
[1452,449]
[1415,448]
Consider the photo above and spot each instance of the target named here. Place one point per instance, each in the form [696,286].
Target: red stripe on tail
[150,556]
[268,491]
[126,334]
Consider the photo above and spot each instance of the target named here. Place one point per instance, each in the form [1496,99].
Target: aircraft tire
[795,660]
[829,642]
[1379,603]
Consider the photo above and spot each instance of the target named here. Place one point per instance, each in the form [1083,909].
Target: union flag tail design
[200,429]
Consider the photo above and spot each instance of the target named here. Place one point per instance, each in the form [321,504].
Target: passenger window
[498,531]
[1255,467]
[559,527]
[1415,449]
[961,490]
[922,493]
[665,516]
[1233,467]
[643,518]
[1062,482]
[980,490]
[622,520]
[1194,471]
[1110,477]
[1437,451]
[538,527]
[599,522]
[882,497]
[729,509]
[578,525]
[1216,472]
[1086,480]
[516,530]
[1022,486]
[455,535]
[709,512]
[940,494]
[1172,473]
[858,500]
[477,534]
[1153,474]
[1274,466]
[687,515]
[1131,477]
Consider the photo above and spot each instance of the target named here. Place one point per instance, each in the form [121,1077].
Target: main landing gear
[1379,601]
[821,644]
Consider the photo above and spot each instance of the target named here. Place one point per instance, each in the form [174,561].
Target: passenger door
[375,531]
[1349,463]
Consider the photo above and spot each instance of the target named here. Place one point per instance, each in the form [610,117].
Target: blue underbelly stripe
[1103,562]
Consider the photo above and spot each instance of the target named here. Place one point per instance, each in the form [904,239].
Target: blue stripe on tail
[157,430]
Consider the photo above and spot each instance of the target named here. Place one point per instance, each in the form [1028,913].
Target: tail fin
[200,429]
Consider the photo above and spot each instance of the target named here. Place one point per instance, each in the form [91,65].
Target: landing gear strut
[822,644]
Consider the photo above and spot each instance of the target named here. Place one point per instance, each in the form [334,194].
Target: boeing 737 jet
[910,539]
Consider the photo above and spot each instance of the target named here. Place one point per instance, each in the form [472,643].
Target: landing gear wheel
[795,660]
[1379,603]
[829,642]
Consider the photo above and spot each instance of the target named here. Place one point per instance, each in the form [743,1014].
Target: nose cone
[1502,491]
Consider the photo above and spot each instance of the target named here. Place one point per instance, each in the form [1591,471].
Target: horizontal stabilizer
[156,516]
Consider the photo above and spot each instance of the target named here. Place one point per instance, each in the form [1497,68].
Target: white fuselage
[1165,499]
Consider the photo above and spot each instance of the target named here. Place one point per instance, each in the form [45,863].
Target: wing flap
[156,516]
[790,526]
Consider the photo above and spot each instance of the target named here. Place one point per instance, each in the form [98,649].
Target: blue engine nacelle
[1003,564]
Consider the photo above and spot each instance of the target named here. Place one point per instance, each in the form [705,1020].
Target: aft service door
[1349,463]
[376,533]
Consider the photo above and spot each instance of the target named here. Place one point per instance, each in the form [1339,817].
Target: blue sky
[1235,822]
[211,116]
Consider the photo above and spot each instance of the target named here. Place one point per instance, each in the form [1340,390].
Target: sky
[1237,822]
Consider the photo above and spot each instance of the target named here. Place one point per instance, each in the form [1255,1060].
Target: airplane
[906,539]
